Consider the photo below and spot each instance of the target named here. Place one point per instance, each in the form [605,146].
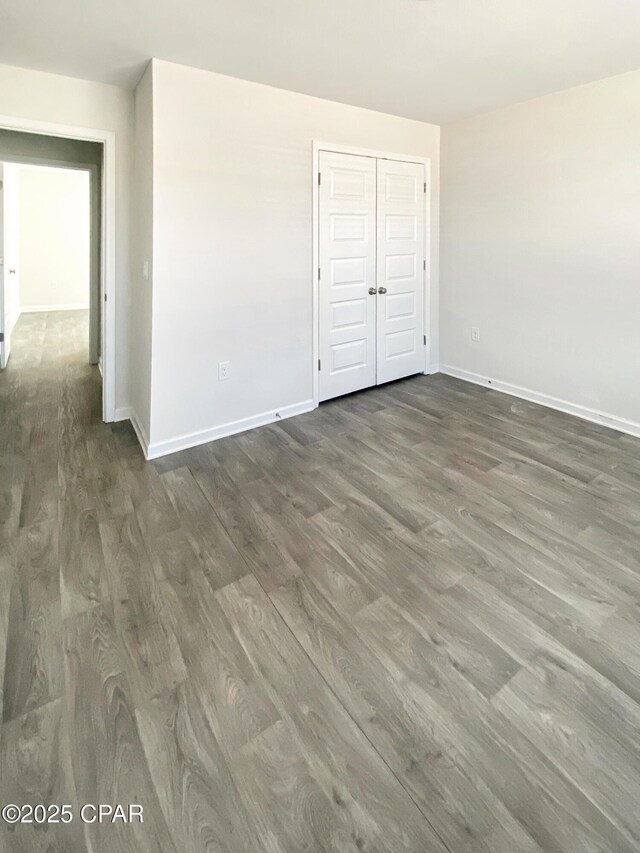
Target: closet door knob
[372,291]
[382,290]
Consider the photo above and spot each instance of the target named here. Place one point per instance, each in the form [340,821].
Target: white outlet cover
[224,370]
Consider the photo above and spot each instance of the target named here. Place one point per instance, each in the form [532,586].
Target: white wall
[11,248]
[540,221]
[52,98]
[232,201]
[54,238]
[142,252]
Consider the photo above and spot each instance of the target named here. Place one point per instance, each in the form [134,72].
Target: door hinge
[1,337]
[318,273]
[425,186]
[319,364]
[105,297]
[425,340]
[424,265]
[319,179]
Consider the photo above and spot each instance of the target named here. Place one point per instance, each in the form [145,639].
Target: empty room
[320,426]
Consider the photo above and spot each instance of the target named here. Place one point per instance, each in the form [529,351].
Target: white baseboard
[72,306]
[587,414]
[126,413]
[172,445]
[433,368]
[11,323]
[140,433]
[122,413]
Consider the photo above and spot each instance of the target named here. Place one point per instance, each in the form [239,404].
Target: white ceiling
[435,60]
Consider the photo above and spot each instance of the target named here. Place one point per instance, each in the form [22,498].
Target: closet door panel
[400,263]
[347,255]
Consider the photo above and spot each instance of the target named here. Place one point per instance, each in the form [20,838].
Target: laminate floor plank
[522,634]
[221,561]
[152,653]
[232,692]
[243,525]
[154,511]
[41,489]
[291,810]
[552,811]
[109,764]
[408,620]
[362,485]
[273,449]
[198,797]
[400,729]
[106,477]
[33,669]
[35,757]
[6,580]
[544,583]
[546,718]
[371,546]
[83,575]
[354,777]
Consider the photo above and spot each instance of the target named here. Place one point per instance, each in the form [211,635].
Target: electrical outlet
[224,370]
[475,333]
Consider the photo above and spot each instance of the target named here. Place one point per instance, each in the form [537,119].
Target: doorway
[371,247]
[50,257]
[35,143]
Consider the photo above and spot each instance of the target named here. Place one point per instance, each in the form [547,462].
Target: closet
[371,254]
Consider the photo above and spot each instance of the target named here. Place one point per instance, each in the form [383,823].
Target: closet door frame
[381,155]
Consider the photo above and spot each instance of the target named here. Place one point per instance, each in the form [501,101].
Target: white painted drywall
[142,252]
[54,238]
[80,103]
[232,265]
[539,246]
[11,244]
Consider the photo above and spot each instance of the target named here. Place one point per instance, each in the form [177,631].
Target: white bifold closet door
[400,253]
[371,254]
[347,254]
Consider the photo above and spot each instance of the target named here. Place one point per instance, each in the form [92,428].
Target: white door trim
[108,260]
[319,146]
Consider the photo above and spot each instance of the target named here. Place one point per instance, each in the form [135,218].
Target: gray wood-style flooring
[406,621]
